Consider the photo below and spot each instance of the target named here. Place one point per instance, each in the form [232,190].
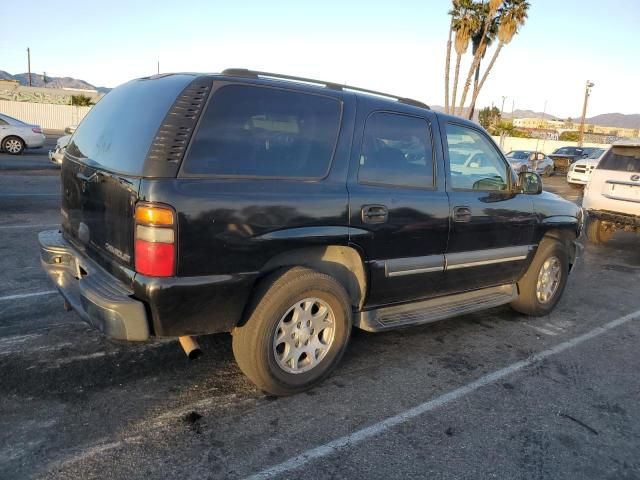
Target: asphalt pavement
[489,395]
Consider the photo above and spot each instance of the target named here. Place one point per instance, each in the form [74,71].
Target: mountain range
[618,120]
[38,80]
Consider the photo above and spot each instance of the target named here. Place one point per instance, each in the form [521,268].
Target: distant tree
[570,136]
[489,117]
[81,101]
[568,123]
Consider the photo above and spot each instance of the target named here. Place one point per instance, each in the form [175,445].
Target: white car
[580,171]
[56,155]
[16,135]
[612,196]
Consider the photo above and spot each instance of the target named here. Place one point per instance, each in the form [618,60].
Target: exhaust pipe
[190,347]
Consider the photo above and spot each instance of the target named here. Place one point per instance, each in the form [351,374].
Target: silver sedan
[530,161]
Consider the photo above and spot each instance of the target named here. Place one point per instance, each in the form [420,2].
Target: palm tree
[493,7]
[480,45]
[447,63]
[512,16]
[465,22]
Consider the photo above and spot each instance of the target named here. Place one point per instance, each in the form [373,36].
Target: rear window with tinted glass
[117,132]
[265,132]
[621,159]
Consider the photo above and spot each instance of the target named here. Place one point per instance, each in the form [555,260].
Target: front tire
[295,333]
[599,232]
[13,145]
[542,285]
[548,171]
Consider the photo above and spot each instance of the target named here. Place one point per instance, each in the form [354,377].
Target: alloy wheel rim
[548,279]
[304,335]
[12,146]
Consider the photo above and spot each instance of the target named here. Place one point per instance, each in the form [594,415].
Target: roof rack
[243,72]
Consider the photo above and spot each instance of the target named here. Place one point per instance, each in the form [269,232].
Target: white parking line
[40,225]
[27,295]
[380,427]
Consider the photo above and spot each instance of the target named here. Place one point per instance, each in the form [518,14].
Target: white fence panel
[47,115]
[540,145]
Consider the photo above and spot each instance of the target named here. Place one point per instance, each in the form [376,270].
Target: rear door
[398,206]
[104,163]
[492,227]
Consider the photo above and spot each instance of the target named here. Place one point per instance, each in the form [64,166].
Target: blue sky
[390,46]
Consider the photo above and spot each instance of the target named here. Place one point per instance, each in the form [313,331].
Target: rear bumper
[34,141]
[97,296]
[619,219]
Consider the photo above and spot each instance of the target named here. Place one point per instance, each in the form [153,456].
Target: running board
[435,309]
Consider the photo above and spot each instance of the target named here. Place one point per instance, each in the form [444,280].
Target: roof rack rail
[243,72]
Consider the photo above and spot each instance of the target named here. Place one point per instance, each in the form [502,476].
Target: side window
[396,150]
[265,132]
[3,122]
[474,162]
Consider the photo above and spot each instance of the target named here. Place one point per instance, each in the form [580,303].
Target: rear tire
[576,186]
[598,232]
[541,287]
[548,171]
[293,312]
[13,145]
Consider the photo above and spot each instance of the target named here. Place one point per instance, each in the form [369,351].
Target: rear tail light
[155,240]
[36,130]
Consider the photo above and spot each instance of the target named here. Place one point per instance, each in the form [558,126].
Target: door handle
[461,214]
[374,214]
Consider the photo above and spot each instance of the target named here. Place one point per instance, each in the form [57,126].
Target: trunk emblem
[635,178]
[118,253]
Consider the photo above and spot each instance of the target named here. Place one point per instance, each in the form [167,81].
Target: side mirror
[530,183]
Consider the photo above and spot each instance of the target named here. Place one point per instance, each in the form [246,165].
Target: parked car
[564,156]
[527,160]
[289,210]
[16,135]
[612,195]
[580,171]
[57,154]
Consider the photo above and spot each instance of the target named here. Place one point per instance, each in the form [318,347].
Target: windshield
[518,155]
[13,121]
[597,153]
[621,159]
[116,134]
[568,151]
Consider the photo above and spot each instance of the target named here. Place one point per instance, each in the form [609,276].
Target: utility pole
[158,67]
[587,92]
[29,64]
[502,108]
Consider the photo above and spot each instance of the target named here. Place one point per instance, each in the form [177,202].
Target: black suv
[287,211]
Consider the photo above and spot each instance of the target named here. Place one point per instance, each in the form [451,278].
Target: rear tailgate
[104,163]
[562,162]
[97,213]
[615,183]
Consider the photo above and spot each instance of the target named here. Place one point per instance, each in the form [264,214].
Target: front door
[492,226]
[399,212]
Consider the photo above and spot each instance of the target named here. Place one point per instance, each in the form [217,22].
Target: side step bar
[427,311]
